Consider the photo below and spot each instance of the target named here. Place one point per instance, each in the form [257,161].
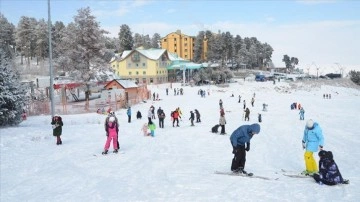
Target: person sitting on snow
[329,173]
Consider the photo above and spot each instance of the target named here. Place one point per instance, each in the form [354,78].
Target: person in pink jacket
[112,130]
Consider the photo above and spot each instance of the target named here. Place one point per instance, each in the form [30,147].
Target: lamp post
[50,66]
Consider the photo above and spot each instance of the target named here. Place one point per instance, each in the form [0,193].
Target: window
[143,64]
[129,65]
[164,40]
[144,80]
[137,64]
[186,56]
[185,49]
[117,65]
[185,39]
[135,57]
[151,80]
[114,66]
[185,44]
[129,73]
[137,73]
[174,39]
[144,72]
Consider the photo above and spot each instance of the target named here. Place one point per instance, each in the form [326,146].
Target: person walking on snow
[221,103]
[222,122]
[152,128]
[302,112]
[112,130]
[57,125]
[197,115]
[128,112]
[192,117]
[240,141]
[175,116]
[312,141]
[247,114]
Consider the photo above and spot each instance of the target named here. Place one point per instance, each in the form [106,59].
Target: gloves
[247,146]
[303,144]
[234,150]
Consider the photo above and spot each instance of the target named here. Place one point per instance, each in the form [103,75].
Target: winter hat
[112,119]
[310,124]
[322,153]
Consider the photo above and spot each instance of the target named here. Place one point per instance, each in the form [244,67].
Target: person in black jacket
[329,173]
[197,115]
[57,125]
[192,117]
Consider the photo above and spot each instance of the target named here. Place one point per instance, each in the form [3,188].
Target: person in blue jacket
[129,114]
[240,141]
[312,141]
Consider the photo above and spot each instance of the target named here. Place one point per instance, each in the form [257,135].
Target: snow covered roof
[126,83]
[152,53]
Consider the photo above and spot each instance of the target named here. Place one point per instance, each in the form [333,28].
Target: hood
[255,128]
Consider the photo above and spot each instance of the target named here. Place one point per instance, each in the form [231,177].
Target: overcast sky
[321,34]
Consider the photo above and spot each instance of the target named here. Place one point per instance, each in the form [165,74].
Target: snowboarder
[329,173]
[222,122]
[112,130]
[57,125]
[312,141]
[240,141]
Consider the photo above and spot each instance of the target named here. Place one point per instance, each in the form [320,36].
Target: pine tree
[126,39]
[155,40]
[12,94]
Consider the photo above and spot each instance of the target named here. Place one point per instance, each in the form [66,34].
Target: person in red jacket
[175,116]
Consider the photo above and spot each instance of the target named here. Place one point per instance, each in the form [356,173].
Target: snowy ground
[178,164]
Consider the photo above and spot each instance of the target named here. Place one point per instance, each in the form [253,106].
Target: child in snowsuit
[329,173]
[239,138]
[112,130]
[57,125]
[152,128]
[312,141]
[192,117]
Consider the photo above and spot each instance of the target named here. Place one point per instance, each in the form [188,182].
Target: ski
[250,175]
[110,153]
[294,174]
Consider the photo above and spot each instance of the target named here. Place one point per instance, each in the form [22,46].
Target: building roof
[125,83]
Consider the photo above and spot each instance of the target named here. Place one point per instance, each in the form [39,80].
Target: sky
[179,164]
[322,34]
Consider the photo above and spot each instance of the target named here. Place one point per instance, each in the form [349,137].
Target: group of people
[325,172]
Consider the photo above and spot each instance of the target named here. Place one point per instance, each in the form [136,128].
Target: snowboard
[250,175]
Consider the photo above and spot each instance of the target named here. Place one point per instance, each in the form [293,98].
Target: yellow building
[143,66]
[179,43]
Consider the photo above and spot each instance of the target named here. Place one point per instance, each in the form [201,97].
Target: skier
[112,130]
[311,142]
[129,114]
[329,173]
[302,112]
[252,102]
[111,114]
[239,99]
[175,116]
[57,125]
[192,117]
[239,138]
[222,122]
